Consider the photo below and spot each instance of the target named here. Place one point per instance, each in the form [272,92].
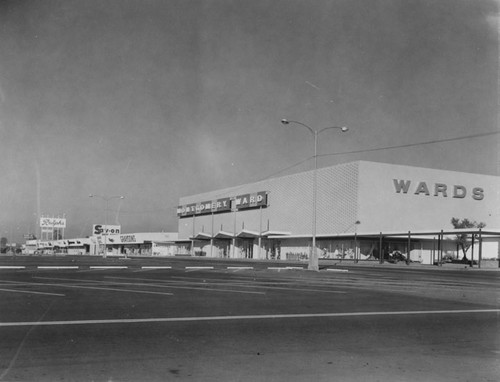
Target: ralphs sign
[52,222]
[437,189]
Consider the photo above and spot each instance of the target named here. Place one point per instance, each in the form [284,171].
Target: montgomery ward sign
[213,206]
[258,199]
[240,202]
[437,189]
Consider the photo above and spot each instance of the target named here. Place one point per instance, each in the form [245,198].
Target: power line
[412,144]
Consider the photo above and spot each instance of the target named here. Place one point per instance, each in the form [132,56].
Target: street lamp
[106,200]
[313,259]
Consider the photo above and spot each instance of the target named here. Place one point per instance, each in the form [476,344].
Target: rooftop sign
[240,202]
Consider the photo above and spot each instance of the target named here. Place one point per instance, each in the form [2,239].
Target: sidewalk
[486,265]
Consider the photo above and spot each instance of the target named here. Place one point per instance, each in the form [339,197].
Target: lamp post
[313,259]
[356,240]
[106,200]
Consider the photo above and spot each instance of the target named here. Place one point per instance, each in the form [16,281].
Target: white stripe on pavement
[249,317]
[31,292]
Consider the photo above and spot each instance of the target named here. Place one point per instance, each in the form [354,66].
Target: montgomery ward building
[363,209]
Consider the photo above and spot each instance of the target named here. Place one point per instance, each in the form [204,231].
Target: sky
[155,100]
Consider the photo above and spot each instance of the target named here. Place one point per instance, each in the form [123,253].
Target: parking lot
[199,321]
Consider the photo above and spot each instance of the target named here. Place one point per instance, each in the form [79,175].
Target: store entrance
[247,249]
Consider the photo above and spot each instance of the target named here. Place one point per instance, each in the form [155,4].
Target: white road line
[234,284]
[58,267]
[167,285]
[337,270]
[30,292]
[195,268]
[12,267]
[239,268]
[98,288]
[247,317]
[144,284]
[151,267]
[107,267]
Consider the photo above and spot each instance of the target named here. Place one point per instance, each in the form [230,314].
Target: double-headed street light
[106,199]
[313,258]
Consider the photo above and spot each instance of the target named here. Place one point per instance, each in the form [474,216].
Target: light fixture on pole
[106,200]
[313,258]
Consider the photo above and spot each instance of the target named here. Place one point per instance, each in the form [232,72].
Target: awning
[202,236]
[223,235]
[247,234]
[275,233]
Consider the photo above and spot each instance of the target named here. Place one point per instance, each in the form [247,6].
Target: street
[191,323]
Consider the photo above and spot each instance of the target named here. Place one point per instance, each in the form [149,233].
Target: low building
[130,244]
[364,210]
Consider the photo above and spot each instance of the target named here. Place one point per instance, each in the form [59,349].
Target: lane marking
[143,284]
[12,267]
[248,317]
[152,267]
[107,267]
[98,288]
[167,285]
[337,270]
[58,267]
[234,284]
[31,292]
[195,268]
[238,268]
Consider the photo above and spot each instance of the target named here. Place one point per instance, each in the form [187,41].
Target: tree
[3,245]
[464,240]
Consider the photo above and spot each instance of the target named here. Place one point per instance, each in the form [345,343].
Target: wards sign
[438,189]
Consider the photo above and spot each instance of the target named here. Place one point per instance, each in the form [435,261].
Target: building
[363,209]
[130,244]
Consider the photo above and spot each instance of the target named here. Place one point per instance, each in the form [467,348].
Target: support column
[380,250]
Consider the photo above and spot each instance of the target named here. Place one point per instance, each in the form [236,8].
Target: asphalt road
[188,323]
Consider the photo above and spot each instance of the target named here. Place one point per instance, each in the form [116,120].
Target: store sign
[128,238]
[52,223]
[100,229]
[257,199]
[214,206]
[437,189]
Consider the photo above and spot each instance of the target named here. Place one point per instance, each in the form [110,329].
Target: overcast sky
[155,100]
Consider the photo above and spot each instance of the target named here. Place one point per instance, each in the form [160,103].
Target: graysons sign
[437,189]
